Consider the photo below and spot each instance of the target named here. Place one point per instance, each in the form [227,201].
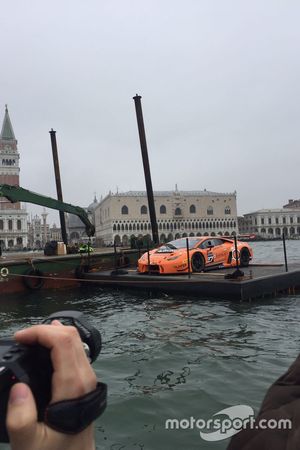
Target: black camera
[32,364]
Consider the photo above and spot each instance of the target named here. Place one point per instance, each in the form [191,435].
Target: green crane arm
[18,194]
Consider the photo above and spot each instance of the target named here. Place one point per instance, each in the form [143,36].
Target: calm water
[174,356]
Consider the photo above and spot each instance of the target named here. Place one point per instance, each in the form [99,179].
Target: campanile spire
[9,159]
[7,132]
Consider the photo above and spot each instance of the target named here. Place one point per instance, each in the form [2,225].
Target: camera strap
[73,416]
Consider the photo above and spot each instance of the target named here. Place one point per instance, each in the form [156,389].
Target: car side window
[206,244]
[218,242]
[203,245]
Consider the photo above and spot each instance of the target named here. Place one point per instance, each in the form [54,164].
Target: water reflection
[174,356]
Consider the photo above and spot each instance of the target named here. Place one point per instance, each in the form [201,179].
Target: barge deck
[259,280]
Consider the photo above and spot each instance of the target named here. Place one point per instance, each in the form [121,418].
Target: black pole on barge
[188,257]
[143,142]
[284,251]
[58,185]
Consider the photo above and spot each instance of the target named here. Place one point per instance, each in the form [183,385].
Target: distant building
[55,233]
[292,204]
[38,232]
[120,216]
[243,225]
[272,223]
[76,228]
[13,218]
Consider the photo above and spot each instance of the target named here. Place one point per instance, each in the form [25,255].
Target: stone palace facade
[120,216]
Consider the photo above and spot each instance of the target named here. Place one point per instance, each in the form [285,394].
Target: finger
[21,419]
[57,323]
[63,341]
[73,375]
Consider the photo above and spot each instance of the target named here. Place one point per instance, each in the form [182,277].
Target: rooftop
[274,210]
[172,193]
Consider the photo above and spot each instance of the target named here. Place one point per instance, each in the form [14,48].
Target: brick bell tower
[9,160]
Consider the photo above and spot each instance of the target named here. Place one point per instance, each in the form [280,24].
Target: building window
[19,224]
[210,211]
[124,209]
[162,209]
[10,224]
[291,220]
[262,221]
[144,209]
[1,225]
[177,212]
[227,210]
[269,220]
[192,209]
[284,220]
[277,221]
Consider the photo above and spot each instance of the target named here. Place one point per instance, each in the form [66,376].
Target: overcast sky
[220,88]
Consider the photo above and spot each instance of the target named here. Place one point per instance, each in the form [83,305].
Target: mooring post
[143,142]
[58,185]
[284,251]
[188,256]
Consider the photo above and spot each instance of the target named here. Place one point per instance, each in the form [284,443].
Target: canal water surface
[173,356]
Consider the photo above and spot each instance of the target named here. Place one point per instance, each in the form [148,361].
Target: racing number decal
[210,257]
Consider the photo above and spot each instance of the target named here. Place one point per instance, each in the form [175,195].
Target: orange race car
[204,252]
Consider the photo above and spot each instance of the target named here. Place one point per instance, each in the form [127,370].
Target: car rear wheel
[197,262]
[244,257]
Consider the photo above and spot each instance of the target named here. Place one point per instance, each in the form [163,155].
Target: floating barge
[24,272]
[259,280]
[108,271]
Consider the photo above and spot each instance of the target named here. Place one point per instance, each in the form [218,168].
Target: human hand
[72,377]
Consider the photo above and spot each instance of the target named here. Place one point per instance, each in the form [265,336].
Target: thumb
[21,418]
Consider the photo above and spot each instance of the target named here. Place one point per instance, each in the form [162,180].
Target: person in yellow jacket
[85,248]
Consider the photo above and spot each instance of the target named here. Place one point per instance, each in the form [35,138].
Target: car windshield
[178,243]
[166,248]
